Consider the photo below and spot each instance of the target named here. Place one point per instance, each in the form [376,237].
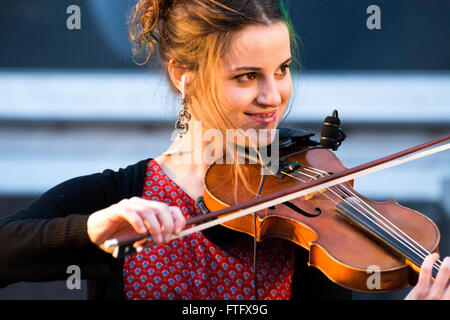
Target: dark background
[414,35]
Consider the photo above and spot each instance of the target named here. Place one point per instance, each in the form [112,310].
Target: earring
[183,116]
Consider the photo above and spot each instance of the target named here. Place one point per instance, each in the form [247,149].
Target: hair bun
[164,7]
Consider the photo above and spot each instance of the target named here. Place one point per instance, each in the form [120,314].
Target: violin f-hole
[292,206]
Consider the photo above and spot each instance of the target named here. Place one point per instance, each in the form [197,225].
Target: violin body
[346,253]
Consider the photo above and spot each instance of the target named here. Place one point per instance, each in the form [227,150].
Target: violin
[311,202]
[346,234]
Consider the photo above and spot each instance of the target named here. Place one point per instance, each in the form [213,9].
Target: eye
[284,68]
[246,77]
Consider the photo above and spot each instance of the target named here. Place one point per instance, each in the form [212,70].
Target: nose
[268,94]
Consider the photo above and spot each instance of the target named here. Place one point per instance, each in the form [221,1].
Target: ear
[176,72]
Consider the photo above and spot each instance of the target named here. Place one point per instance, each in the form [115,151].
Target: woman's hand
[135,216]
[429,289]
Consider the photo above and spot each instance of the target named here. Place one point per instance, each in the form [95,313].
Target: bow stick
[263,202]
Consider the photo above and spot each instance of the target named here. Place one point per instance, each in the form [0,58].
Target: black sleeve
[39,242]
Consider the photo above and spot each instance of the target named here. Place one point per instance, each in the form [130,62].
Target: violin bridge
[309,196]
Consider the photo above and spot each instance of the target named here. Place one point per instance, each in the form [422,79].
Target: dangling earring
[183,116]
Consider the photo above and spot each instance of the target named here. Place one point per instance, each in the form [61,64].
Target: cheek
[286,89]
[285,92]
[239,99]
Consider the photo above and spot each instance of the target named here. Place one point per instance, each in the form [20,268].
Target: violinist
[230,63]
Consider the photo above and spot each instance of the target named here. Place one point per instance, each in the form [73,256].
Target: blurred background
[73,102]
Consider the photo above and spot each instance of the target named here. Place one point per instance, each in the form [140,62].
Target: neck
[185,163]
[196,148]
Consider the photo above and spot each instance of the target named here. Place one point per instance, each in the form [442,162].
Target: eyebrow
[258,69]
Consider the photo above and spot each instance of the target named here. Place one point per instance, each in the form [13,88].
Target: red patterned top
[192,267]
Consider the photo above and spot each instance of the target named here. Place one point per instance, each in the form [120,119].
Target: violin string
[340,198]
[413,245]
[371,209]
[394,235]
[412,242]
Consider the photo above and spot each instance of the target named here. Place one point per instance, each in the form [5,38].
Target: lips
[263,117]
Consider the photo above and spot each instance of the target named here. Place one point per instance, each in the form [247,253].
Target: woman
[230,60]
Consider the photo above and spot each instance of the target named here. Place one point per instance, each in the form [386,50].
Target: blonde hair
[196,34]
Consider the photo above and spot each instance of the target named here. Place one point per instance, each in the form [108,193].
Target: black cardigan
[39,242]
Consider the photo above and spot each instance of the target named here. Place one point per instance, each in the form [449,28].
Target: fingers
[154,228]
[440,285]
[446,295]
[132,217]
[158,218]
[427,288]
[179,219]
[421,290]
[164,216]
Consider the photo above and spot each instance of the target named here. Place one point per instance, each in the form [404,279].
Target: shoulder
[109,184]
[125,178]
[131,178]
[86,194]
